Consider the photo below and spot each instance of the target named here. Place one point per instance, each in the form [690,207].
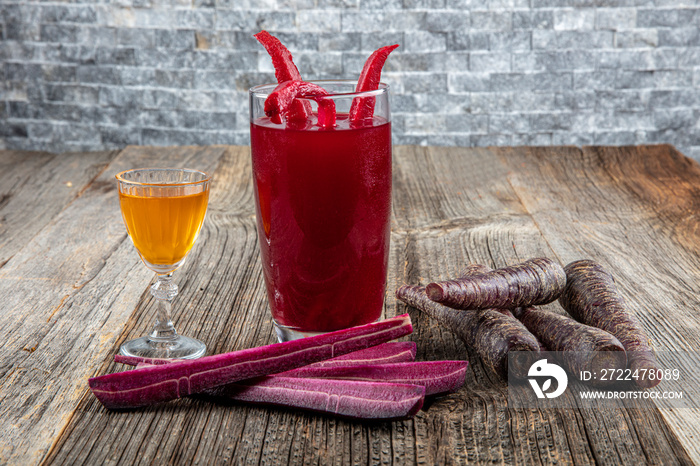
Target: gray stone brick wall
[89,75]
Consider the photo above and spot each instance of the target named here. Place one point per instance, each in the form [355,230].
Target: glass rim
[257,91]
[120,177]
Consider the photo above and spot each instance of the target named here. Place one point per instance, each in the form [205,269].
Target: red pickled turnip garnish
[285,70]
[363,107]
[279,102]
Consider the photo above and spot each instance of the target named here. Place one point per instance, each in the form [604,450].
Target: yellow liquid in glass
[165,228]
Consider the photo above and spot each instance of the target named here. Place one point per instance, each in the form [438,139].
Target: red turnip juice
[323,205]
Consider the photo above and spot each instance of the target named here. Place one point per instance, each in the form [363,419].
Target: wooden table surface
[72,289]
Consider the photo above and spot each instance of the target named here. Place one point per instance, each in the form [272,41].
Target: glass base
[288,333]
[176,348]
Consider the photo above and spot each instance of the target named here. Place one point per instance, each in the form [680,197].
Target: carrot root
[591,297]
[491,333]
[536,281]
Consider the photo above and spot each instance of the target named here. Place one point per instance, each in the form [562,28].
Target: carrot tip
[642,364]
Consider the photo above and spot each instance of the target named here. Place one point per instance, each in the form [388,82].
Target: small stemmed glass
[163,210]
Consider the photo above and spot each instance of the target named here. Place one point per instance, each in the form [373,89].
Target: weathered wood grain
[451,206]
[66,296]
[495,227]
[492,431]
[222,301]
[35,186]
[633,209]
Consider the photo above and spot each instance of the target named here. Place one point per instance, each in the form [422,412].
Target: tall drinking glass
[323,205]
[163,210]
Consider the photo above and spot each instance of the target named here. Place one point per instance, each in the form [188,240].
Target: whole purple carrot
[535,281]
[591,297]
[579,346]
[492,333]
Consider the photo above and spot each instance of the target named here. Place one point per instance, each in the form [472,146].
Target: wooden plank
[222,291]
[35,186]
[450,206]
[634,209]
[488,430]
[222,286]
[67,295]
[493,226]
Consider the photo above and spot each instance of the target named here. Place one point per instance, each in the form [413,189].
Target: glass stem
[164,291]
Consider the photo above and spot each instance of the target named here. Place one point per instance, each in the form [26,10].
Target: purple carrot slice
[386,353]
[346,398]
[436,376]
[135,360]
[382,363]
[164,382]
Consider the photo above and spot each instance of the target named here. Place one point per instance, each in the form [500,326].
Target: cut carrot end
[435,292]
